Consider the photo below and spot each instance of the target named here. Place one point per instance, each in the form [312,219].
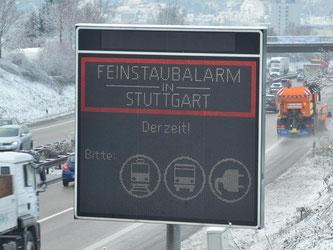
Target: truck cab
[279,66]
[275,72]
[19,203]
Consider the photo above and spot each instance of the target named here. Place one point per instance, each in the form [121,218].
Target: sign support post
[173,235]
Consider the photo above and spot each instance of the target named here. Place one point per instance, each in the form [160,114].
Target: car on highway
[300,77]
[286,83]
[68,170]
[15,137]
[272,103]
[8,121]
[275,87]
[299,71]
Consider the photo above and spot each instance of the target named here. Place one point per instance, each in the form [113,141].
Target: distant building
[285,13]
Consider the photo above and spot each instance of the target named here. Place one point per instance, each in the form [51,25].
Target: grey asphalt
[80,234]
[58,201]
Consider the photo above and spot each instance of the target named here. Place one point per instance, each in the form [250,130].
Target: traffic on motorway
[133,136]
[12,129]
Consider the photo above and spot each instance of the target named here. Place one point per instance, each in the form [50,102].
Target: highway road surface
[61,231]
[53,130]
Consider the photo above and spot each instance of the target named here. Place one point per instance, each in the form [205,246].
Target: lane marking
[113,236]
[54,125]
[54,215]
[126,229]
[53,184]
[274,145]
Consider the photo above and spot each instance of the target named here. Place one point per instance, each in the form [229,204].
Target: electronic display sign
[169,124]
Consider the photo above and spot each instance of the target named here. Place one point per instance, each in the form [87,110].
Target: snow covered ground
[29,95]
[26,95]
[307,184]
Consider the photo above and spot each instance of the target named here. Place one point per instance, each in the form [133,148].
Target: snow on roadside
[30,101]
[301,186]
[31,53]
[308,184]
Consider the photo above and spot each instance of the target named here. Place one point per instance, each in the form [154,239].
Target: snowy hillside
[28,94]
[308,184]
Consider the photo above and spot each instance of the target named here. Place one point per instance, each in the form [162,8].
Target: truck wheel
[65,183]
[31,145]
[30,242]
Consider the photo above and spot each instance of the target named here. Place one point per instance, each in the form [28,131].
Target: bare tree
[106,7]
[89,13]
[57,57]
[170,14]
[8,16]
[58,15]
[64,14]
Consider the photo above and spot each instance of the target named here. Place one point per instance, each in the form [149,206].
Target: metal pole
[173,237]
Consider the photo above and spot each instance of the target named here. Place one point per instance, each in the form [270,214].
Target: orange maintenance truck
[299,113]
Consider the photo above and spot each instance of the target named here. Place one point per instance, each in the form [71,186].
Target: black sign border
[258,222]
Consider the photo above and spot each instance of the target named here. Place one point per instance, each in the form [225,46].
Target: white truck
[311,70]
[19,201]
[278,66]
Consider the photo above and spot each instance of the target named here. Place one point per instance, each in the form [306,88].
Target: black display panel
[167,138]
[116,39]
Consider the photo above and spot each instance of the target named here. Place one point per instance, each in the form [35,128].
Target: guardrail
[52,155]
[49,163]
[278,79]
[299,39]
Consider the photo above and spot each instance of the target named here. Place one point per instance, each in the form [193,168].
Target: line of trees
[8,16]
[171,14]
[50,28]
[55,19]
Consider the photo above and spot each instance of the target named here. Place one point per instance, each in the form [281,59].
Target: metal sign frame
[260,102]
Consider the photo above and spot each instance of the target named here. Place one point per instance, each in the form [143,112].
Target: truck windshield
[5,122]
[275,70]
[9,132]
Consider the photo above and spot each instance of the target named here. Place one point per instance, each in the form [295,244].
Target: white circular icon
[140,176]
[184,178]
[230,180]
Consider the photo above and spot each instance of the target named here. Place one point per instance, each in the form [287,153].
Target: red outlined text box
[252,64]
